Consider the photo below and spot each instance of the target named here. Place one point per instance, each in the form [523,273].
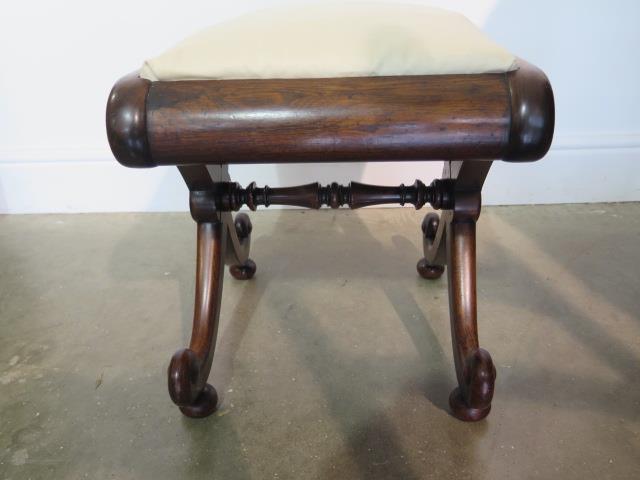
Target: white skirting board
[578,169]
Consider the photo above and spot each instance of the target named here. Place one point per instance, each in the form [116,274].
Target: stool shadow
[437,381]
[376,431]
[344,398]
[232,331]
[567,311]
[372,441]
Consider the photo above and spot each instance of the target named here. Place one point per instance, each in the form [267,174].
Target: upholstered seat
[358,82]
[354,82]
[321,41]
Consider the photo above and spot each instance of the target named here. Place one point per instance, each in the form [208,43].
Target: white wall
[59,60]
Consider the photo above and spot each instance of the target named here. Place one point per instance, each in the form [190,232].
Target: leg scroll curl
[189,368]
[431,266]
[471,400]
[448,239]
[241,266]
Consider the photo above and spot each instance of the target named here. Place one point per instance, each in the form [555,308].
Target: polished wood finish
[228,196]
[241,266]
[189,368]
[426,269]
[434,117]
[532,114]
[471,400]
[452,239]
[336,119]
[127,121]
[221,239]
[448,239]
[202,126]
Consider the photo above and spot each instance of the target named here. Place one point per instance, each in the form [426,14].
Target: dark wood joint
[466,206]
[202,205]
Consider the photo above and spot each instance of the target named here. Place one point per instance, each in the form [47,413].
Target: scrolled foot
[245,269]
[243,226]
[243,272]
[205,404]
[430,225]
[431,272]
[471,401]
[184,374]
[462,411]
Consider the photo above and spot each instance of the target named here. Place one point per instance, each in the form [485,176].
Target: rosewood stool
[359,82]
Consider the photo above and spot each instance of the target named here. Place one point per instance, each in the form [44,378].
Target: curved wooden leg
[471,400]
[431,266]
[239,229]
[189,368]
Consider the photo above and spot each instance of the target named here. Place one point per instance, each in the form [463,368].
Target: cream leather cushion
[333,40]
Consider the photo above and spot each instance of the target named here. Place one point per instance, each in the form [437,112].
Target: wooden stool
[204,120]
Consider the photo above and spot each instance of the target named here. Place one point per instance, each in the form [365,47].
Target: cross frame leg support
[189,368]
[221,239]
[448,240]
[451,240]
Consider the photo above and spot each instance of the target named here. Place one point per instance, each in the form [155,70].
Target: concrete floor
[334,362]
